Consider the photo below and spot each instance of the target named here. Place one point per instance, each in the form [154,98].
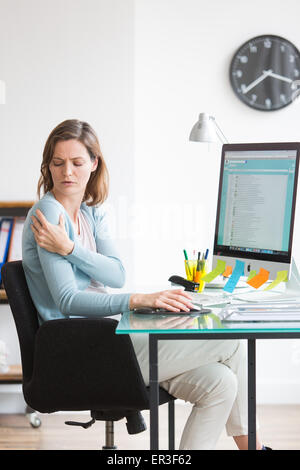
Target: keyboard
[160,311]
[264,296]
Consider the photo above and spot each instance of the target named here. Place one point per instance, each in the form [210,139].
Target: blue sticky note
[234,278]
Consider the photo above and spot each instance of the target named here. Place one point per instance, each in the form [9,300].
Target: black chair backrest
[23,310]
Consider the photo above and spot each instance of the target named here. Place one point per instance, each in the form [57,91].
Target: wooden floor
[279,428]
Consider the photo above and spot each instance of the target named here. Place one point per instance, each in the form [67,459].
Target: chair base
[109,436]
[83,425]
[135,421]
[135,424]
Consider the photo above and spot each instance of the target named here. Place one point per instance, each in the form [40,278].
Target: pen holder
[192,274]
[190,268]
[199,274]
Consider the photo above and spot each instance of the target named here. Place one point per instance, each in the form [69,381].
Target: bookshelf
[14,374]
[13,209]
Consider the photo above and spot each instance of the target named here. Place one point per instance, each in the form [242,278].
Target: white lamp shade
[204,130]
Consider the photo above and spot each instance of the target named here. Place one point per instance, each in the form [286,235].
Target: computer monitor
[256,206]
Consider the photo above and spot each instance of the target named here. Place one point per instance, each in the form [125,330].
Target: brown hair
[97,187]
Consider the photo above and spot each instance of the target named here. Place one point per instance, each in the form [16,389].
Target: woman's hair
[97,187]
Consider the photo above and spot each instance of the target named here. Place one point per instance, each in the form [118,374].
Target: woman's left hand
[53,238]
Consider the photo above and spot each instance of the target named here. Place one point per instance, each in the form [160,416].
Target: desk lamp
[206,129]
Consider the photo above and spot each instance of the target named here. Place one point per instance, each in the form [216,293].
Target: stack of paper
[262,312]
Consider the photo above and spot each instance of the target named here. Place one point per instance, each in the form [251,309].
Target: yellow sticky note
[251,274]
[219,269]
[281,277]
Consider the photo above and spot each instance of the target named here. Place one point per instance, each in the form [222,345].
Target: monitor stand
[293,284]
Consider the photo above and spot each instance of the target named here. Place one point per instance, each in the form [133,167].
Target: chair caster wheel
[34,420]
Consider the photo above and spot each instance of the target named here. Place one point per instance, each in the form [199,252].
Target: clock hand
[280,77]
[264,75]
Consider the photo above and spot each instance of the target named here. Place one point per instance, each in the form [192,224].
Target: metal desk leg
[171,415]
[251,395]
[154,402]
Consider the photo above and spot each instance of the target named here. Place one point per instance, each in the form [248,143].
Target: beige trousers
[210,374]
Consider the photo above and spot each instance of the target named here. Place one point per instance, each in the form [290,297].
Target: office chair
[79,364]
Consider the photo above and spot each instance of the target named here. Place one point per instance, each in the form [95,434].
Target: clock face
[265,72]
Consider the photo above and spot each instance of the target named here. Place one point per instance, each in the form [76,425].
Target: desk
[205,327]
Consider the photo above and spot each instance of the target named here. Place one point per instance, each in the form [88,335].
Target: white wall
[183,50]
[65,59]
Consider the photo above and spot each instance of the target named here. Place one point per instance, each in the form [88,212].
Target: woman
[69,258]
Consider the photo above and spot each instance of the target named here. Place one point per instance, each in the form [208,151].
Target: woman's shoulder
[49,206]
[48,199]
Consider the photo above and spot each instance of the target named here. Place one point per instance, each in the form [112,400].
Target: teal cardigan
[57,283]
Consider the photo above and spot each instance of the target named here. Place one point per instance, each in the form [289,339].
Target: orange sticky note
[259,279]
[227,271]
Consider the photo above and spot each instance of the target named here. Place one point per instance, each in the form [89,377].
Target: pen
[198,261]
[206,254]
[187,262]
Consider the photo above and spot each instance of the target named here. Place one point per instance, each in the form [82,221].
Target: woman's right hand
[174,300]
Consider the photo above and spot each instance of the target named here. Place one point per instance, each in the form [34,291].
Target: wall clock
[265,72]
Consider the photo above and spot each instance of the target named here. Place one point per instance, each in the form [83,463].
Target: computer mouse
[145,310]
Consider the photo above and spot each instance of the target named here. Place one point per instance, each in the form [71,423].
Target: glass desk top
[131,323]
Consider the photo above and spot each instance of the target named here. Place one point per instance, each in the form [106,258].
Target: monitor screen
[256,203]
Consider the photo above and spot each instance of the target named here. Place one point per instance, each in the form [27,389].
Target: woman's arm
[68,298]
[62,283]
[51,237]
[103,266]
[66,290]
[72,301]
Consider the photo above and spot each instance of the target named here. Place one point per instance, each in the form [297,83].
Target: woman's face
[71,167]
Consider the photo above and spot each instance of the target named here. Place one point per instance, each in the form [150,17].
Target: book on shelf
[11,229]
[15,246]
[6,224]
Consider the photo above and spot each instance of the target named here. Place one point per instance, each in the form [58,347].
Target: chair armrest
[82,364]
